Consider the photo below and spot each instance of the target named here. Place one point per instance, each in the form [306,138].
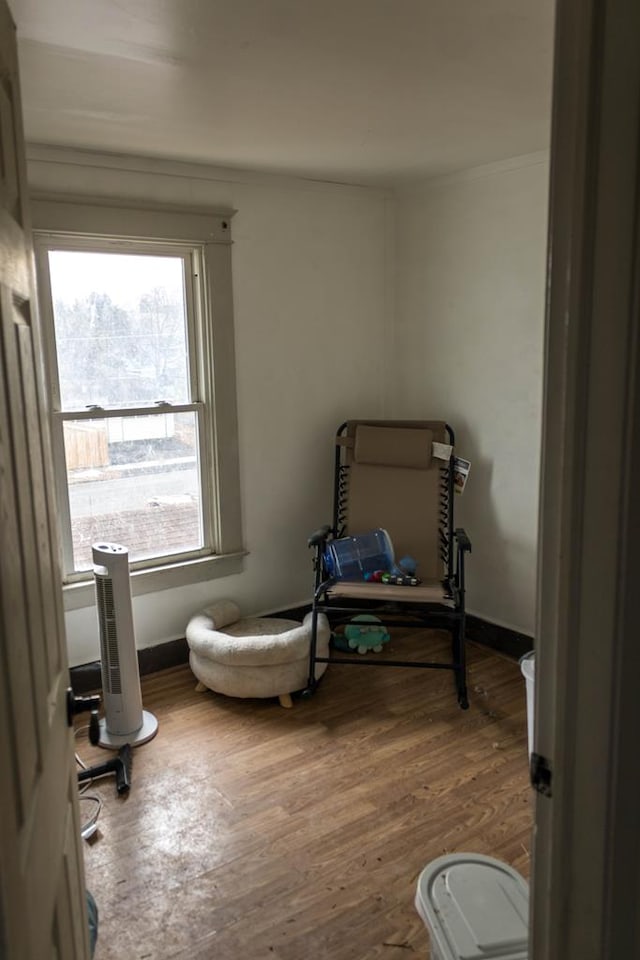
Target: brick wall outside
[157,529]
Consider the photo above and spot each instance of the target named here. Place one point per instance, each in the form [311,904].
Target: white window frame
[204,238]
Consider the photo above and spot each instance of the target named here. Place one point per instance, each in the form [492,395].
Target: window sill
[154,579]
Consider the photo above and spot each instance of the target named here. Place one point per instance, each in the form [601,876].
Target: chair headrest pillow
[393,446]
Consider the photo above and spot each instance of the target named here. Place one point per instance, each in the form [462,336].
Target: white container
[475,908]
[528,667]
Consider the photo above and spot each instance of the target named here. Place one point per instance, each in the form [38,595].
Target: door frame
[586,869]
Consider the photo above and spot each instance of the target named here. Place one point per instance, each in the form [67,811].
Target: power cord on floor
[89,826]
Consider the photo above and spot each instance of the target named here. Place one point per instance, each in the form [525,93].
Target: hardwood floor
[255,832]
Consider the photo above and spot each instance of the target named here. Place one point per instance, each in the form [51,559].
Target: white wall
[469,348]
[311,275]
[325,329]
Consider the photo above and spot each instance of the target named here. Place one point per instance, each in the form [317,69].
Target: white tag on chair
[442,451]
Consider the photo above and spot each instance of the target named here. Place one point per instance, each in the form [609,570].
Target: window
[142,406]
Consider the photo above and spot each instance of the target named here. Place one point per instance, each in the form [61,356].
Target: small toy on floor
[364,633]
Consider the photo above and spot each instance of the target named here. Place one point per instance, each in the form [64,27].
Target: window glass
[134,480]
[120,328]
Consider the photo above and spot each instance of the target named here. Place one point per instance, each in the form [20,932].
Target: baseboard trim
[87,678]
[501,639]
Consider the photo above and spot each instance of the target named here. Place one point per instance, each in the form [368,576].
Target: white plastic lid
[476,908]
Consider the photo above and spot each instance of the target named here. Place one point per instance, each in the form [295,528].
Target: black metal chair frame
[454,543]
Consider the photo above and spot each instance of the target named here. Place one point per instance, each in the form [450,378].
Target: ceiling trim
[481,172]
[69,156]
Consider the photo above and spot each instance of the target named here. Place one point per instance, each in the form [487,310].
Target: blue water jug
[350,558]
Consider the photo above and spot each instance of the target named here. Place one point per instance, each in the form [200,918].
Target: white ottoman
[253,656]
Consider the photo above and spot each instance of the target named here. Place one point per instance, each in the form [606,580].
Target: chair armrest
[319,536]
[463,540]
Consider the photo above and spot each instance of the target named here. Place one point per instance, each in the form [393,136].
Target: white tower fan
[124,719]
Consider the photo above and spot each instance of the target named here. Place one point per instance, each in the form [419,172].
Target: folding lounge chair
[386,476]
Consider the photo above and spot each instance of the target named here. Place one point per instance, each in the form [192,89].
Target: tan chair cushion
[395,484]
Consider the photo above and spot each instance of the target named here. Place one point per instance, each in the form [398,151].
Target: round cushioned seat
[253,656]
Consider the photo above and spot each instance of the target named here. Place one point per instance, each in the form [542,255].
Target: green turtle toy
[365,633]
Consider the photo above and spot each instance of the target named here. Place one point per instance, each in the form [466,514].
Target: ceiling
[357,91]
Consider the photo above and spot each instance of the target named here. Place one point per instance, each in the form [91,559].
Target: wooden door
[42,895]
